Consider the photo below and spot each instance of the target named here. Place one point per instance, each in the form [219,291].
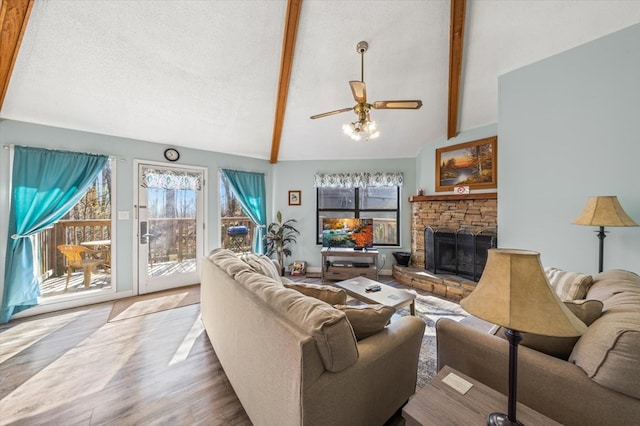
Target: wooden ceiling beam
[288,48]
[456,42]
[14,15]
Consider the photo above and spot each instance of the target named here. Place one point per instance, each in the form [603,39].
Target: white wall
[19,133]
[298,175]
[569,128]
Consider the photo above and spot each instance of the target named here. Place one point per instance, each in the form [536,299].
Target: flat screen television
[347,232]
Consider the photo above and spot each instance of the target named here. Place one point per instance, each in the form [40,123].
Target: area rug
[431,309]
[154,302]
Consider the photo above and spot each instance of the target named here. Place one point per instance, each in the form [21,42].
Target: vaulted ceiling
[243,77]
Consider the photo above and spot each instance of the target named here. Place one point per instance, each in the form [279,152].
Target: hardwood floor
[73,367]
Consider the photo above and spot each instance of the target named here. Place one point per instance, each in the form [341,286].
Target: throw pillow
[367,320]
[328,294]
[569,285]
[587,311]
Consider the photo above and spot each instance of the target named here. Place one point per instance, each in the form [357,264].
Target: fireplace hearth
[459,252]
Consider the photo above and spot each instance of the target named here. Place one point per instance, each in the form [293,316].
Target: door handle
[144,236]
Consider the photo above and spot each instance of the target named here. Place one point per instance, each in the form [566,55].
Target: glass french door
[170,213]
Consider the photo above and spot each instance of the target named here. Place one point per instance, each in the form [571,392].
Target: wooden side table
[440,404]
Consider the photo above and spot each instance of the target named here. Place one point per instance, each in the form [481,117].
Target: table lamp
[514,292]
[603,211]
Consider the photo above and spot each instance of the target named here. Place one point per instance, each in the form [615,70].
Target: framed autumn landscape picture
[471,164]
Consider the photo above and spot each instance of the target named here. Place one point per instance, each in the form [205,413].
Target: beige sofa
[599,382]
[293,359]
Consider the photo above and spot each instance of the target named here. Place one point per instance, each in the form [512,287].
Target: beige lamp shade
[604,211]
[514,292]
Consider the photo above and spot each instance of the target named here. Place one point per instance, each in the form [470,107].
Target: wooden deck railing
[67,232]
[173,239]
[227,242]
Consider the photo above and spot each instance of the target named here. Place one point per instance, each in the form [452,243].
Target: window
[381,203]
[88,224]
[234,221]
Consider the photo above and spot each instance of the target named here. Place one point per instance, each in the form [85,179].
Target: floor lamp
[514,292]
[603,211]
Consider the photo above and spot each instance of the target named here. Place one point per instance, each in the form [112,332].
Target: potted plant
[279,237]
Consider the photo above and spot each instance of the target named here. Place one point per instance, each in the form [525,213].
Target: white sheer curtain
[357,180]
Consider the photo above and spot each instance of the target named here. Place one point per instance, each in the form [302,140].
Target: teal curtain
[45,185]
[249,188]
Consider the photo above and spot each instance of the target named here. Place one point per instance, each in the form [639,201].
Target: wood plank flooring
[73,367]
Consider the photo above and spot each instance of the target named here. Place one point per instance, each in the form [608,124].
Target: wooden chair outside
[79,257]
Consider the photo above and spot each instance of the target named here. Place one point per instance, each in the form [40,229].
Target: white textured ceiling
[204,74]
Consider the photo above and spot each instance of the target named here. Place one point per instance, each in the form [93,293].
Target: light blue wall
[426,159]
[298,175]
[569,129]
[280,178]
[19,133]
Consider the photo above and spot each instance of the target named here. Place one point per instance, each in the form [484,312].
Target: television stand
[344,263]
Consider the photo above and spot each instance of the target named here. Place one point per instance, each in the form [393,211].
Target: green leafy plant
[280,236]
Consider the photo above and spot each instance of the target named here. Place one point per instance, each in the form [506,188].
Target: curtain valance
[171,179]
[357,180]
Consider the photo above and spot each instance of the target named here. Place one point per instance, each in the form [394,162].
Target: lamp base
[501,419]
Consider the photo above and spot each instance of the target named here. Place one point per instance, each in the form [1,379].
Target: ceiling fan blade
[397,104]
[326,114]
[359,90]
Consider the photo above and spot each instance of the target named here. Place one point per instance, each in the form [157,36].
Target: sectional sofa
[591,380]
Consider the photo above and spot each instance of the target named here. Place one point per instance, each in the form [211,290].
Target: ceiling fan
[364,124]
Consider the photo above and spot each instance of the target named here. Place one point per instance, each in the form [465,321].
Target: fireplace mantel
[454,197]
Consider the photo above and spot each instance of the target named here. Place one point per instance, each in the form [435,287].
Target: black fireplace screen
[457,252]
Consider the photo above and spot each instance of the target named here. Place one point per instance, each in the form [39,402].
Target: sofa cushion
[608,351]
[326,293]
[569,285]
[328,326]
[587,311]
[367,320]
[262,265]
[228,261]
[616,289]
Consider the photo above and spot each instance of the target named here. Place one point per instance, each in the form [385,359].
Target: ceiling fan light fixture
[370,127]
[364,126]
[360,128]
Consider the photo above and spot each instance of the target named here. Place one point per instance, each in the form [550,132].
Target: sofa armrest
[376,386]
[551,386]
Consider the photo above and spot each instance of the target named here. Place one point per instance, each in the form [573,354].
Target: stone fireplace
[470,220]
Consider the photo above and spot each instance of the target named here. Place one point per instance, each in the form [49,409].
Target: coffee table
[388,296]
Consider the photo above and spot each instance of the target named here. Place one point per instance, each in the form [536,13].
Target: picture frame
[295,198]
[472,164]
